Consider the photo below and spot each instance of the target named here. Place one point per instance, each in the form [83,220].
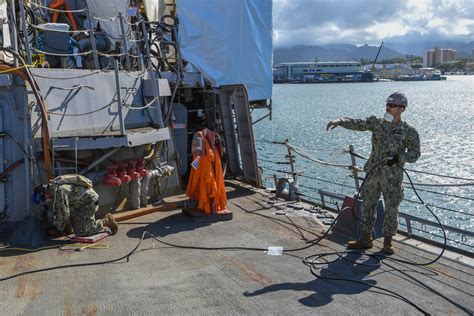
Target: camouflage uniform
[387,141]
[76,205]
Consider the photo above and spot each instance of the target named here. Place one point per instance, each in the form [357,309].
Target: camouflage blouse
[387,140]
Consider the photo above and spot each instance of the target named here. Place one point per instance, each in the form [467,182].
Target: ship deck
[164,279]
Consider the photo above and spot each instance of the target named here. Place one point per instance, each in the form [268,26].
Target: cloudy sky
[313,22]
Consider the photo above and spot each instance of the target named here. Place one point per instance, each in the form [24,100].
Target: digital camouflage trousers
[387,181]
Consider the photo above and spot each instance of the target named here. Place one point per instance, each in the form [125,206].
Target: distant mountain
[345,52]
[463,49]
[333,52]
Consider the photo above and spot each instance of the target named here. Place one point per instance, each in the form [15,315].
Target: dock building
[336,71]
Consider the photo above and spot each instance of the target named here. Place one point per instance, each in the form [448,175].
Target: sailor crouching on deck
[74,205]
[394,142]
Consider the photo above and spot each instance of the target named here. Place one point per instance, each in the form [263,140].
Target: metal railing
[409,222]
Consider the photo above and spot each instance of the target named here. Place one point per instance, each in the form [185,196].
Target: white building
[317,71]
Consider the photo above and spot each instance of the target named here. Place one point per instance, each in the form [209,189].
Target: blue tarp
[229,41]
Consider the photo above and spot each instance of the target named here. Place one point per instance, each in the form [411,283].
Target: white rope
[107,19]
[136,40]
[134,23]
[146,106]
[140,75]
[56,10]
[61,55]
[69,78]
[316,160]
[59,31]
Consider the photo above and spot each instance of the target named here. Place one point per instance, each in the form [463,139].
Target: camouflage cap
[397,98]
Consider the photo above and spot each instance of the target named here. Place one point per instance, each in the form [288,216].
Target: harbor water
[441,111]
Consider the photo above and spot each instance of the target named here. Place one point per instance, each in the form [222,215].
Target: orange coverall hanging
[61,4]
[206,181]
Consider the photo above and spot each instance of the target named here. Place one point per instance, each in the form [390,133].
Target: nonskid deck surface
[162,279]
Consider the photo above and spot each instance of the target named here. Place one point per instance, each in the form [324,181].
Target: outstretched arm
[367,124]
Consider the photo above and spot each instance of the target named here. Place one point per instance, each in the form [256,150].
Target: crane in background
[376,57]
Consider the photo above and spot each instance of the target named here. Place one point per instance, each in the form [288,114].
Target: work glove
[333,124]
[395,159]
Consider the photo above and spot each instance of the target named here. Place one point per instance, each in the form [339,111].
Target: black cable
[395,294]
[30,157]
[127,256]
[311,261]
[437,219]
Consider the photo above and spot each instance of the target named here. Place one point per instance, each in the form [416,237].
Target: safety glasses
[390,105]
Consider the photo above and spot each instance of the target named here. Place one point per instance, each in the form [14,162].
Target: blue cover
[229,41]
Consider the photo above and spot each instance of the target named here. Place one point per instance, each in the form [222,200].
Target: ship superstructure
[114,90]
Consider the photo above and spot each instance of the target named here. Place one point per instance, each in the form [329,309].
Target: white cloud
[312,22]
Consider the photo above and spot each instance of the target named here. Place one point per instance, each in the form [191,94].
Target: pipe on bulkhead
[144,191]
[99,160]
[134,196]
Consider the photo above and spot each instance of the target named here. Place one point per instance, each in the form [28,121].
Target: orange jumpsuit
[206,181]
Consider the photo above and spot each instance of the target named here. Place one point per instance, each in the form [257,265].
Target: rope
[275,162]
[447,194]
[84,54]
[136,40]
[58,31]
[435,184]
[440,207]
[315,159]
[107,19]
[140,75]
[327,181]
[57,10]
[81,114]
[17,68]
[69,78]
[81,246]
[442,184]
[134,23]
[74,87]
[61,55]
[419,171]
[146,106]
[440,175]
